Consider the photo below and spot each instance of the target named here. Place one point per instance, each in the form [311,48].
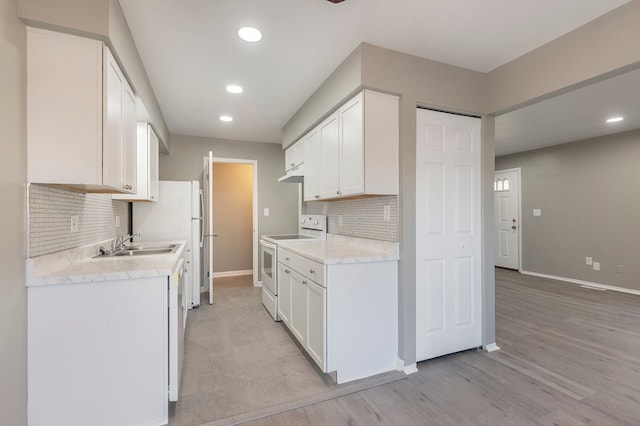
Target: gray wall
[598,49]
[103,20]
[186,162]
[588,193]
[13,171]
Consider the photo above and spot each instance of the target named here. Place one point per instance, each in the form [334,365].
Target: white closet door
[448,239]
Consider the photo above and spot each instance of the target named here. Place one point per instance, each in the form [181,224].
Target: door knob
[514,227]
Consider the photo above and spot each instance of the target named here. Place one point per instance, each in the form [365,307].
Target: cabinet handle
[287,259]
[311,271]
[293,164]
[286,271]
[339,192]
[304,282]
[317,196]
[152,197]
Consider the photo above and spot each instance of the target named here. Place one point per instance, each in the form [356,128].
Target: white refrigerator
[177,215]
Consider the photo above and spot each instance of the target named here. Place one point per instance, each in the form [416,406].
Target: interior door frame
[254,190]
[518,171]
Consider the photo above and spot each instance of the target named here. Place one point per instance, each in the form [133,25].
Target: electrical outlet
[386,213]
[75,224]
[340,220]
[589,260]
[596,266]
[117,221]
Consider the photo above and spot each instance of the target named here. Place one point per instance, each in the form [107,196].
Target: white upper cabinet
[147,168]
[81,126]
[294,156]
[312,165]
[356,150]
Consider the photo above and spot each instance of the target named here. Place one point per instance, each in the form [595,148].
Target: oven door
[269,266]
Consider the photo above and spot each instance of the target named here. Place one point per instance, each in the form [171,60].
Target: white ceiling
[191,52]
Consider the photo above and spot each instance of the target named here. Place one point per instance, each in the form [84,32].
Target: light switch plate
[266,211]
[537,212]
[589,260]
[387,213]
[596,266]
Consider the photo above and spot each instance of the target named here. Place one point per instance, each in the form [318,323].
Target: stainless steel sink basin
[151,246]
[142,250]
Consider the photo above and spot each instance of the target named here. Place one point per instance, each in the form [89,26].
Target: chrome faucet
[118,242]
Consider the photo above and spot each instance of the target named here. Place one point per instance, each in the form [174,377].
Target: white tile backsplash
[361,217]
[50,211]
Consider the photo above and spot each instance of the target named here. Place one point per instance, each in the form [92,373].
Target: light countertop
[338,249]
[78,265]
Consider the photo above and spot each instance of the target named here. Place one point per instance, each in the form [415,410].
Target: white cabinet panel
[312,165]
[316,323]
[351,161]
[147,156]
[80,115]
[330,157]
[298,320]
[284,294]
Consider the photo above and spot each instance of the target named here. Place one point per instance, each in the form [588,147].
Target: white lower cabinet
[345,315]
[98,353]
[298,320]
[284,293]
[316,323]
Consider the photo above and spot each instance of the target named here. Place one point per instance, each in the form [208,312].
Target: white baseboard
[410,369]
[258,284]
[584,283]
[232,273]
[491,347]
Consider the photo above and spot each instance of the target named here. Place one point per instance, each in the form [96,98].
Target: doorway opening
[231,191]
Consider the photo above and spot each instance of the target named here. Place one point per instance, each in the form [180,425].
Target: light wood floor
[570,356]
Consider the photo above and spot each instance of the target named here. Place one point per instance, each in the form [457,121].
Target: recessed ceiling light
[250,34]
[226,118]
[615,119]
[234,88]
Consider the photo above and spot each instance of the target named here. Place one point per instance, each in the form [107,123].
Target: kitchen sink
[141,250]
[150,246]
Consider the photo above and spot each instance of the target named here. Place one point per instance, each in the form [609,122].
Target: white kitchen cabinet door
[119,144]
[80,115]
[147,155]
[284,294]
[316,323]
[130,137]
[294,155]
[298,319]
[351,158]
[330,157]
[312,165]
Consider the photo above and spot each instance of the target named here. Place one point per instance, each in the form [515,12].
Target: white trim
[225,274]
[518,171]
[258,284]
[491,347]
[585,283]
[410,369]
[254,163]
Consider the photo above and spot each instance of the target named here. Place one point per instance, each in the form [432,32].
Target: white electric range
[310,227]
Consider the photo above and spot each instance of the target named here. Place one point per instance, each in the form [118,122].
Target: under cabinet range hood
[295,175]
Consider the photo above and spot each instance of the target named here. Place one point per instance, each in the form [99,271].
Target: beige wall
[232,217]
[13,171]
[103,20]
[588,193]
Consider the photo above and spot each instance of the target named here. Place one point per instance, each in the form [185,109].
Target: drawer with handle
[292,260]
